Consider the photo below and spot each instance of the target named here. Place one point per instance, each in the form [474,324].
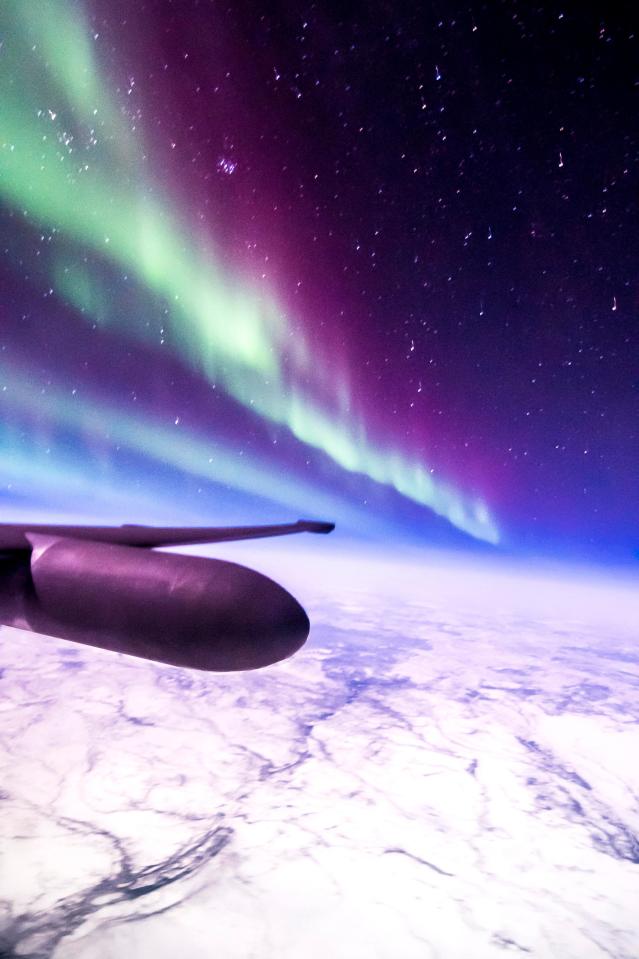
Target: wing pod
[183,610]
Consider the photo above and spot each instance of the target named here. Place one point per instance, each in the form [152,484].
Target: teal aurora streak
[71,163]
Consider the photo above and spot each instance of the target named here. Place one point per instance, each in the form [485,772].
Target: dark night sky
[441,201]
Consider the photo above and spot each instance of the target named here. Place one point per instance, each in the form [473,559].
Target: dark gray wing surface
[13,537]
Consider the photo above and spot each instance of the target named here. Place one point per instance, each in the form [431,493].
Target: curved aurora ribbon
[70,161]
[34,414]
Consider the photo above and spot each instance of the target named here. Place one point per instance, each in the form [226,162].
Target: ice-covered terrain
[448,769]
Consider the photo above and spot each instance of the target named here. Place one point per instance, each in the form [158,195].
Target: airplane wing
[13,537]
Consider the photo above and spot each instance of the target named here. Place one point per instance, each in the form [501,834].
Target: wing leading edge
[14,537]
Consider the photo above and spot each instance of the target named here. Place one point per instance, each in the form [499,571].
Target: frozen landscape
[447,769]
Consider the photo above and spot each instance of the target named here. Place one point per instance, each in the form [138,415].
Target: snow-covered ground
[447,769]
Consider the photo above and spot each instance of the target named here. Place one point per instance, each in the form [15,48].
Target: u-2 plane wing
[105,586]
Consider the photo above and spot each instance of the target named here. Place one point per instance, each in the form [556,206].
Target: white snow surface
[448,769]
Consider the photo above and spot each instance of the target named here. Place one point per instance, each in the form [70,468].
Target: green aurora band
[72,164]
[43,408]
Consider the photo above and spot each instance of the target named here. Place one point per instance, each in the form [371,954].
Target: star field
[379,261]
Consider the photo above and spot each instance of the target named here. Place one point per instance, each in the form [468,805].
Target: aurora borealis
[174,330]
[72,166]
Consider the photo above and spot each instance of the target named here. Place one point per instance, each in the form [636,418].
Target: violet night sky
[373,263]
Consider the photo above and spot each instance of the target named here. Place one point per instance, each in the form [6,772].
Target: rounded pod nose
[275,625]
[264,625]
